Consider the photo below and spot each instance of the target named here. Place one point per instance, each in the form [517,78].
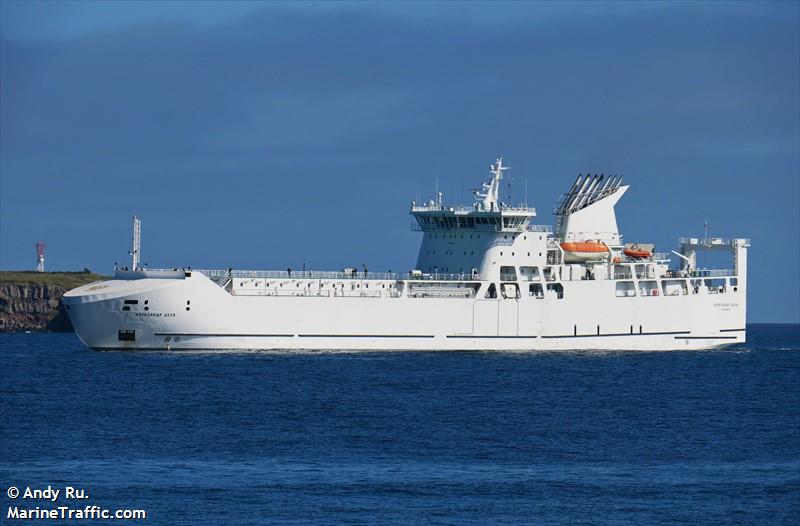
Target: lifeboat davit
[584,251]
[638,251]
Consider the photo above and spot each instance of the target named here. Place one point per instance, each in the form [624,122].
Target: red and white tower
[39,256]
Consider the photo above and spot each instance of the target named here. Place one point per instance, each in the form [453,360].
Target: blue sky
[260,135]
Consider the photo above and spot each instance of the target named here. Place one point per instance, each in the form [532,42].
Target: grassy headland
[67,280]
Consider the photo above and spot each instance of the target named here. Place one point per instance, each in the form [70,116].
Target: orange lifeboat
[584,250]
[638,251]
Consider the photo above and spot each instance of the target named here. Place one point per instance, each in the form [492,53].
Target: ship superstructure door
[508,319]
[497,313]
[485,315]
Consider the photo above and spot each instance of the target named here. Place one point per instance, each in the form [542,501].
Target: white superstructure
[486,278]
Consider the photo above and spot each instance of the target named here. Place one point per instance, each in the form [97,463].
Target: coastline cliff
[31,301]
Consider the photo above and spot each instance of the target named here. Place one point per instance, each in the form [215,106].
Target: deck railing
[217,274]
[416,227]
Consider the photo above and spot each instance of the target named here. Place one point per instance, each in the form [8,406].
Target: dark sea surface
[408,438]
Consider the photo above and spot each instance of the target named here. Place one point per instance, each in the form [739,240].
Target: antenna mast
[136,246]
[489,194]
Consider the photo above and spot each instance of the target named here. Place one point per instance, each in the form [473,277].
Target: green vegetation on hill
[68,280]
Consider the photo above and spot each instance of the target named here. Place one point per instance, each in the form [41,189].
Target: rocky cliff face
[31,301]
[32,307]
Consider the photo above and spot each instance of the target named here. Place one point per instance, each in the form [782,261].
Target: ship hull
[194,313]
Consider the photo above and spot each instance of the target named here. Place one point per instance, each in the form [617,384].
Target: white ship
[486,278]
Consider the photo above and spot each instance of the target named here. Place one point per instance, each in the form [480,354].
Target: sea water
[709,437]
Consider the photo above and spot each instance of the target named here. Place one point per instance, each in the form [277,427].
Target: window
[715,286]
[126,335]
[648,288]
[491,292]
[535,290]
[529,273]
[674,287]
[510,291]
[625,289]
[555,290]
[508,274]
[131,302]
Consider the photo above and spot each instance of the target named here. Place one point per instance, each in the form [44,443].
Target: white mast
[491,190]
[136,246]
